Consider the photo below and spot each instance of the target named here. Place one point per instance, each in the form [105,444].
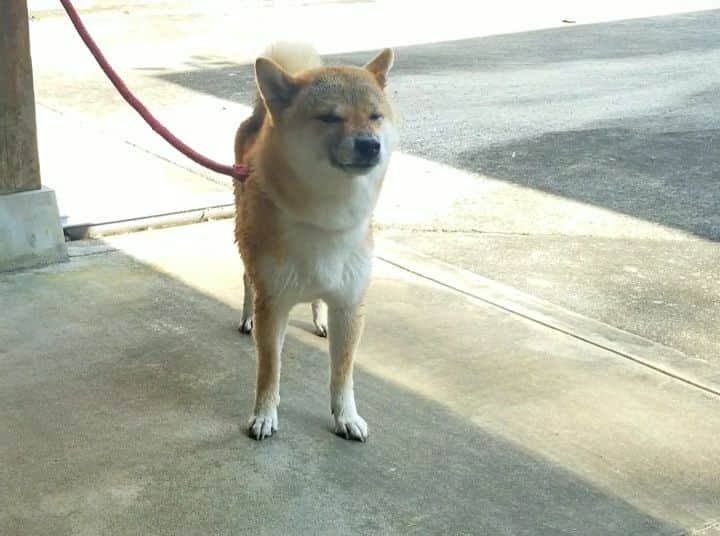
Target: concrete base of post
[30,230]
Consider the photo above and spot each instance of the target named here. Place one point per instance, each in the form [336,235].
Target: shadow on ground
[619,115]
[126,416]
[663,177]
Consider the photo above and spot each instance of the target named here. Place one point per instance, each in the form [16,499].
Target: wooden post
[30,230]
[19,167]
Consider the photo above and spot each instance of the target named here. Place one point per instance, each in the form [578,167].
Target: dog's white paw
[263,425]
[351,427]
[321,329]
[320,318]
[246,326]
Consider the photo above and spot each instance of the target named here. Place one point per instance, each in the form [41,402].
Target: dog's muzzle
[357,154]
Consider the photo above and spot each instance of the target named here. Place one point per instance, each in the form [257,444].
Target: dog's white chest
[335,266]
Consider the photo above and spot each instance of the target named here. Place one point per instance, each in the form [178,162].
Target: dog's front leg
[345,327]
[270,325]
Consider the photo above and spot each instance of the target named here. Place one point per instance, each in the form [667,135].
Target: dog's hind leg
[346,326]
[270,324]
[319,314]
[246,324]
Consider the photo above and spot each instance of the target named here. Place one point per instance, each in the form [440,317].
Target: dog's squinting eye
[329,118]
[375,117]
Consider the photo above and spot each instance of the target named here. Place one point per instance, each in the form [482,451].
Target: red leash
[237,172]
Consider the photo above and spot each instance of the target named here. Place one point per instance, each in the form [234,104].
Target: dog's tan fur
[303,217]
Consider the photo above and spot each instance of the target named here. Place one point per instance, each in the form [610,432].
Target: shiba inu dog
[318,144]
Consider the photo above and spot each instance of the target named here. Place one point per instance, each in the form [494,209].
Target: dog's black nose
[367,147]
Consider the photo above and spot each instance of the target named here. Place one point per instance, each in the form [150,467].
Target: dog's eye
[329,118]
[375,117]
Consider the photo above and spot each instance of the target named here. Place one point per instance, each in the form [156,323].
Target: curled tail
[293,57]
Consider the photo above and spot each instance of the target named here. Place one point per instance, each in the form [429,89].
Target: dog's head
[334,122]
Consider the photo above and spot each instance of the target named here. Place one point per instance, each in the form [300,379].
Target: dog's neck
[330,201]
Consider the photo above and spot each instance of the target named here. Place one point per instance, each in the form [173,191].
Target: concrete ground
[124,388]
[573,162]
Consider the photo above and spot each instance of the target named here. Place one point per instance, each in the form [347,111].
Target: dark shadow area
[622,115]
[127,416]
[666,177]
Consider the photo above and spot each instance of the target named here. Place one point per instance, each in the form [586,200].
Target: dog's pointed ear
[380,65]
[277,88]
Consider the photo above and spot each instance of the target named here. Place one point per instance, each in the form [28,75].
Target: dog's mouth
[356,168]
